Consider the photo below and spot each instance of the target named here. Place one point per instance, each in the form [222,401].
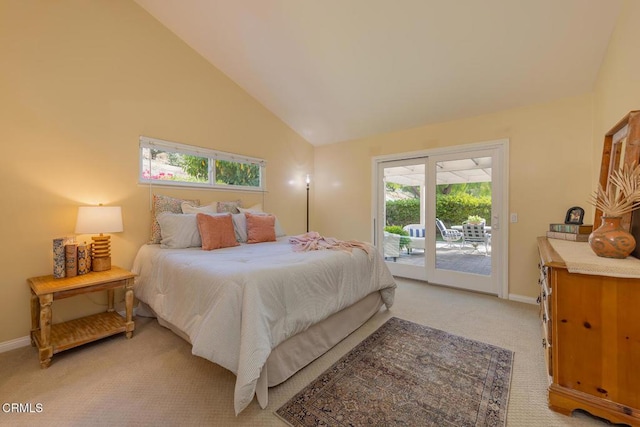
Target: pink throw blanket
[313,241]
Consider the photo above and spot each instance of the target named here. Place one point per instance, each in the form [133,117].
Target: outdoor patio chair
[475,234]
[448,234]
[416,235]
[391,245]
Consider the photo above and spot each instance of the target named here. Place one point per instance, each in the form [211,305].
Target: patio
[451,258]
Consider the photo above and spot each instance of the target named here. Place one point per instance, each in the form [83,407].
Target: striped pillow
[416,232]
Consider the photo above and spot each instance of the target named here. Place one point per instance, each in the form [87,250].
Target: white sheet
[236,304]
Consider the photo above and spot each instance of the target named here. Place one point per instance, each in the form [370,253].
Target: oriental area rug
[410,375]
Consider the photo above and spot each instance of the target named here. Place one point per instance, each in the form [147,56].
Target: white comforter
[237,304]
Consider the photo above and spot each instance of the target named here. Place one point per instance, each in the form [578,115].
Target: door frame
[502,146]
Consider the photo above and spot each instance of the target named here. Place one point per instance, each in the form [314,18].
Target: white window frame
[212,155]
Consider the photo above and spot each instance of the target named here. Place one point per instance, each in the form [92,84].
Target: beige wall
[617,90]
[80,82]
[550,171]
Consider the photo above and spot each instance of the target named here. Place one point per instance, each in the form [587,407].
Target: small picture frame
[575,215]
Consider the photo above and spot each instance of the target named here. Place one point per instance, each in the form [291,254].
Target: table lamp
[99,219]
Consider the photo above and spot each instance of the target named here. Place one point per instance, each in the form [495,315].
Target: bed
[263,311]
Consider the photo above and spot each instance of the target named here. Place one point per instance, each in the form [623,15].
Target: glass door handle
[495,222]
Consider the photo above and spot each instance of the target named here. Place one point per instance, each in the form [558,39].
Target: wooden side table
[51,339]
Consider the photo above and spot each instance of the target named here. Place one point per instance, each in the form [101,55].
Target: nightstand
[51,339]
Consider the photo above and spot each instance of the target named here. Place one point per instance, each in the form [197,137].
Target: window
[171,163]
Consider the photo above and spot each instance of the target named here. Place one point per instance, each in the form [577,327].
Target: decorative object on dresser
[621,147]
[590,330]
[574,237]
[571,228]
[610,240]
[99,219]
[573,232]
[50,339]
[620,197]
[575,215]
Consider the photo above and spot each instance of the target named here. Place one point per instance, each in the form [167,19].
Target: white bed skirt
[298,351]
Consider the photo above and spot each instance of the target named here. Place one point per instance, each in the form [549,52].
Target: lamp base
[100,253]
[101,264]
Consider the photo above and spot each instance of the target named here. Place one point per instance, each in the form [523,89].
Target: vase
[610,240]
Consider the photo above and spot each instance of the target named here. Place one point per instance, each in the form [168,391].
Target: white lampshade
[99,219]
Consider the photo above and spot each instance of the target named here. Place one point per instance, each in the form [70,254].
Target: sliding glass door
[465,204]
[438,217]
[401,213]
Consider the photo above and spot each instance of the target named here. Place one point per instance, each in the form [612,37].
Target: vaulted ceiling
[336,70]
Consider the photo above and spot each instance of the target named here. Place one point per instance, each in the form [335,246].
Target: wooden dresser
[591,337]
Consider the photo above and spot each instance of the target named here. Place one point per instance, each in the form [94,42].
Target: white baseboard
[13,344]
[524,299]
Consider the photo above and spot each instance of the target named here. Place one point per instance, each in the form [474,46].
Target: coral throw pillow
[260,228]
[216,231]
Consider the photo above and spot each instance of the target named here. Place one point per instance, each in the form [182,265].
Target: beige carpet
[153,379]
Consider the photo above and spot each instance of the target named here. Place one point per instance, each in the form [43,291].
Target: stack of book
[573,232]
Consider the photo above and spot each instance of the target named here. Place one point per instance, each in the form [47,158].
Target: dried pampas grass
[622,195]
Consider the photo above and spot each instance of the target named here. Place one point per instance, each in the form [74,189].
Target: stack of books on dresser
[573,232]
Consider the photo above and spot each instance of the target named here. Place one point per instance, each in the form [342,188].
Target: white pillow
[253,209]
[279,230]
[178,231]
[188,208]
[240,226]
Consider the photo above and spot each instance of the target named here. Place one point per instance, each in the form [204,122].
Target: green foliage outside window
[455,209]
[475,189]
[229,173]
[403,212]
[234,173]
[452,209]
[197,167]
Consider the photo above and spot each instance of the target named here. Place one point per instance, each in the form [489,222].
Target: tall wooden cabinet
[591,337]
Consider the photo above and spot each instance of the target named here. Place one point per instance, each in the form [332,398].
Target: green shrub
[396,229]
[475,219]
[452,209]
[455,209]
[403,212]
